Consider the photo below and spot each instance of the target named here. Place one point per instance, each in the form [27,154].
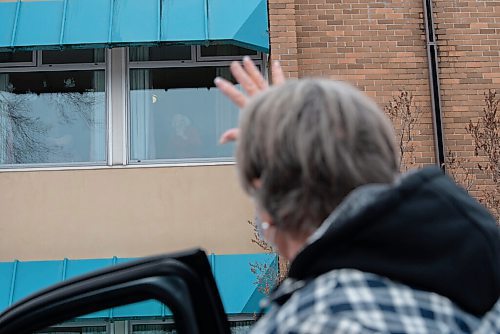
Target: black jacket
[425,232]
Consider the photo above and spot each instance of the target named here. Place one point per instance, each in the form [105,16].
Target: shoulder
[351,301]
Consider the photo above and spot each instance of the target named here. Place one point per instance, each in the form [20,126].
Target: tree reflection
[71,106]
[22,131]
[25,135]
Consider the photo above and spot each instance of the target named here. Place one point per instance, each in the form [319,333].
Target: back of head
[309,143]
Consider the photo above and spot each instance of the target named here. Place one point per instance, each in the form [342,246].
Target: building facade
[118,153]
[387,47]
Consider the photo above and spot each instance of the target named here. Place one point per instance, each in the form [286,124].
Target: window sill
[130,166]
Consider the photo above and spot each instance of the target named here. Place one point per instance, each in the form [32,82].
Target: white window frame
[117,92]
[222,61]
[38,67]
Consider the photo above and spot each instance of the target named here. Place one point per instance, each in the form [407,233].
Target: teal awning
[49,24]
[233,274]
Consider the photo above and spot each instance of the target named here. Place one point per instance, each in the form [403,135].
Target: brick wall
[380,47]
[468,35]
[283,32]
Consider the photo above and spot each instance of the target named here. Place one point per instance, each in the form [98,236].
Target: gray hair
[309,143]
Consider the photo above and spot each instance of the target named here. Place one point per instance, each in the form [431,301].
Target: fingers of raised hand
[229,135]
[244,79]
[277,73]
[254,74]
[228,89]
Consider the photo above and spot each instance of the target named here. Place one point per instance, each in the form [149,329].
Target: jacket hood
[423,231]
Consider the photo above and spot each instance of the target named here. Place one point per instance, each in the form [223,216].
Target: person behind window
[184,140]
[371,250]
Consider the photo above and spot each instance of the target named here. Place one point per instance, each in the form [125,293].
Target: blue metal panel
[36,275]
[254,33]
[183,20]
[236,282]
[8,20]
[6,271]
[80,267]
[97,23]
[135,21]
[39,23]
[142,309]
[147,308]
[87,22]
[244,22]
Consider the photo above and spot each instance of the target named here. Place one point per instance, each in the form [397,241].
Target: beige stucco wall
[126,212]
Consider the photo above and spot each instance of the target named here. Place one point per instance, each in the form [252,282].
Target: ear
[257,183]
[265,217]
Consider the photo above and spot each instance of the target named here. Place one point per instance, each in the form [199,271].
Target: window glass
[73,56]
[241,327]
[236,327]
[154,329]
[162,53]
[16,57]
[52,117]
[75,330]
[177,113]
[225,51]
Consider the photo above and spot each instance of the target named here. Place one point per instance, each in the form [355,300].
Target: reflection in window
[71,56]
[241,327]
[154,329]
[226,50]
[52,117]
[16,57]
[161,53]
[177,113]
[236,327]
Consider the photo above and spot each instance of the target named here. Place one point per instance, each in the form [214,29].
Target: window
[239,324]
[22,58]
[226,50]
[55,116]
[73,56]
[140,105]
[161,53]
[75,330]
[176,112]
[154,329]
[241,327]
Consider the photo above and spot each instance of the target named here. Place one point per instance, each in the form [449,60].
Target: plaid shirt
[350,301]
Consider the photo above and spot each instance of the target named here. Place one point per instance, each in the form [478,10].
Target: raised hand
[252,82]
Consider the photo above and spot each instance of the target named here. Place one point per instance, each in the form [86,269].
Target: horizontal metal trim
[232,58]
[20,64]
[172,64]
[53,68]
[132,166]
[180,161]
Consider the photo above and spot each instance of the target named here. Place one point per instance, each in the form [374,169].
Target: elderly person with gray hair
[371,251]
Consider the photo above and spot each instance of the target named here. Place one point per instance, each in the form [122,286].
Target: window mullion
[118,106]
[38,55]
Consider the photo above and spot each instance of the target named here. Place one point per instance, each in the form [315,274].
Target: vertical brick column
[282,25]
[377,45]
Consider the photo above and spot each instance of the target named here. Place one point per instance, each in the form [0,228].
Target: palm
[252,82]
